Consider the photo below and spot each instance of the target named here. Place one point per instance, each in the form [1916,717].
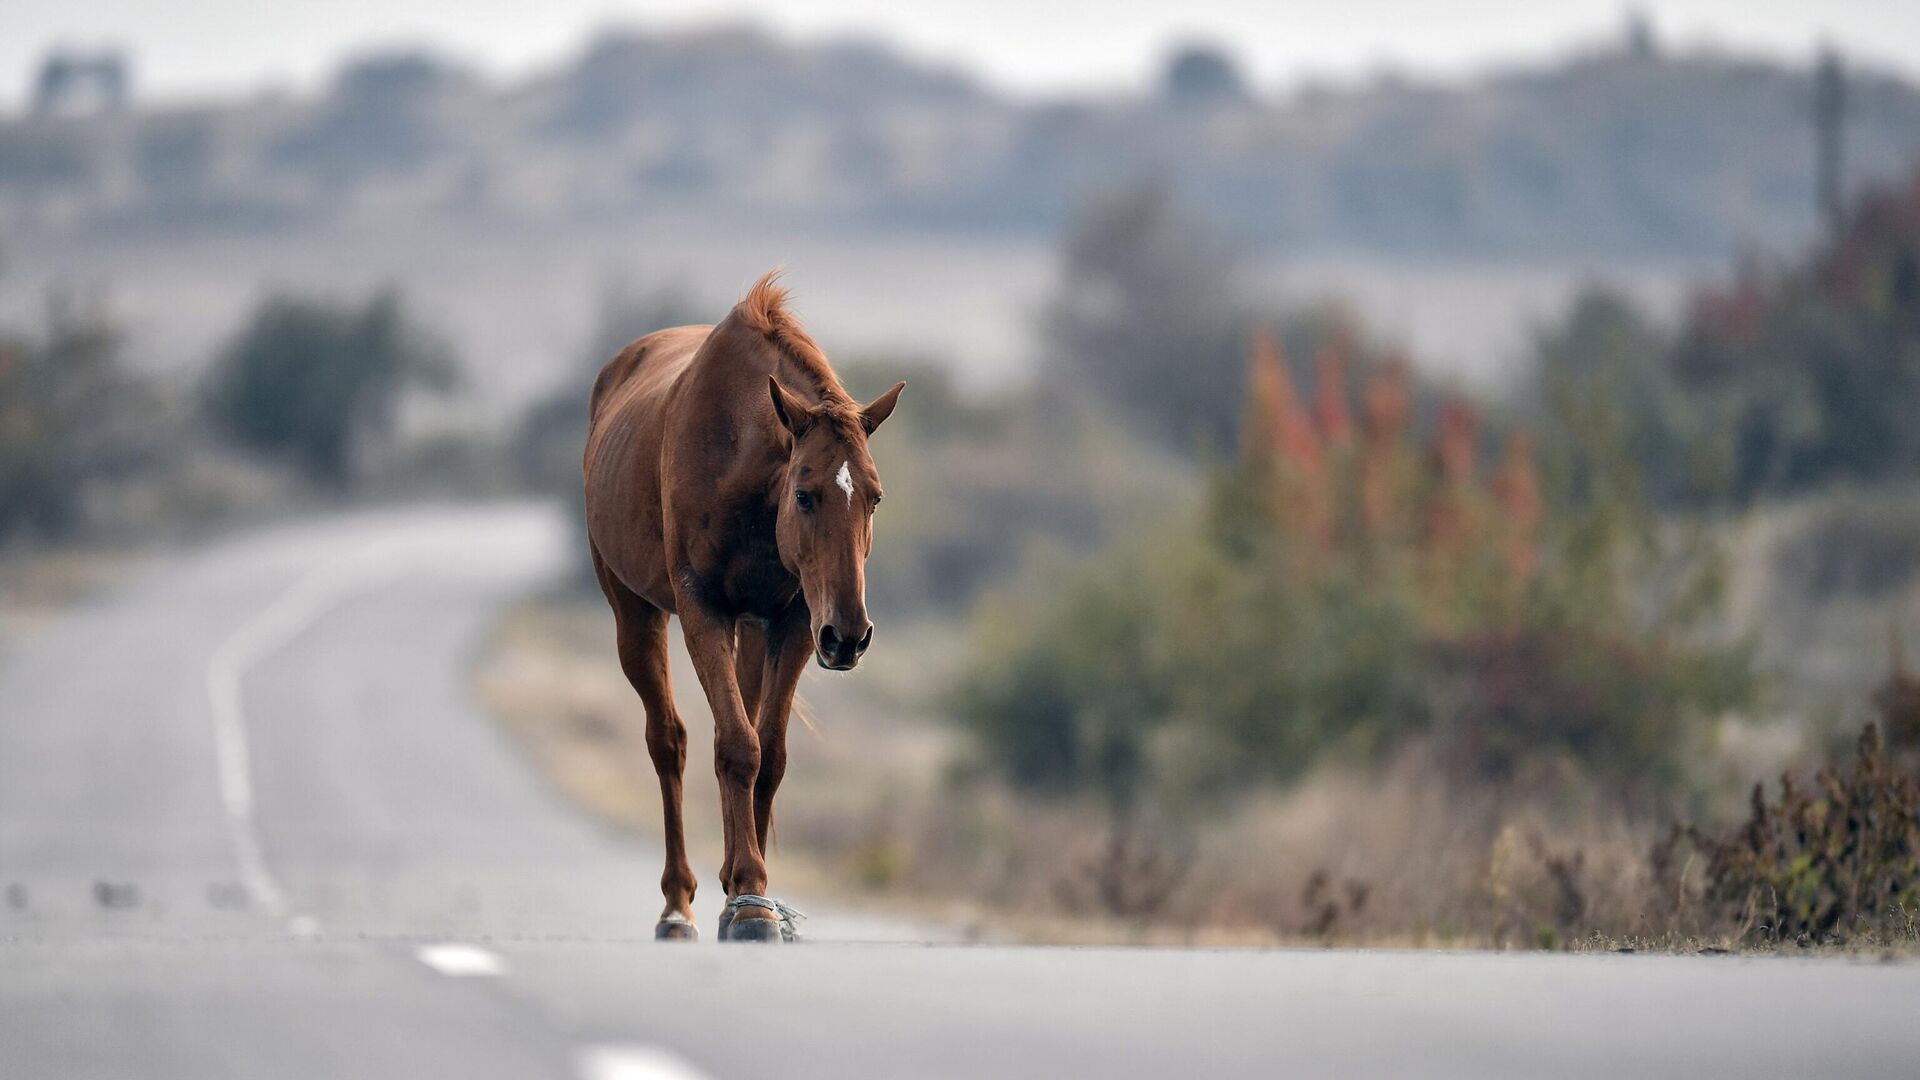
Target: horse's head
[826,496]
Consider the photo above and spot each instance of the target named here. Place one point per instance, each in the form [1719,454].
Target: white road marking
[845,479]
[615,1062]
[460,961]
[268,630]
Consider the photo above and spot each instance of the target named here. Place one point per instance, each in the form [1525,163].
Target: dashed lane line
[633,1062]
[458,960]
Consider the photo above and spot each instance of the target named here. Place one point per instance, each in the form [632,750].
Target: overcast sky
[192,48]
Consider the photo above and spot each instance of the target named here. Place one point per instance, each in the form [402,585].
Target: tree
[1149,319]
[1809,369]
[1608,349]
[1204,75]
[316,384]
[74,423]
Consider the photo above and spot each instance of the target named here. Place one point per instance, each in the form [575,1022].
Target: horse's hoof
[675,930]
[767,930]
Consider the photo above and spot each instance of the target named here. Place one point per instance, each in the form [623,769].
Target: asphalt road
[251,826]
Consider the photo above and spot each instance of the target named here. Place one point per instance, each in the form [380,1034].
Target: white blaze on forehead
[845,479]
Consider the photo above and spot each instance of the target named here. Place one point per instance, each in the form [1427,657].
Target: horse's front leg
[789,645]
[736,760]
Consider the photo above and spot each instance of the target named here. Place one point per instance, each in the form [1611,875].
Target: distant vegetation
[81,435]
[1150,319]
[1502,615]
[1794,375]
[318,386]
[1351,586]
[1809,369]
[1377,567]
[307,396]
[1624,150]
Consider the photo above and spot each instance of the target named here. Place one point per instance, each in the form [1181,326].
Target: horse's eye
[804,499]
[876,499]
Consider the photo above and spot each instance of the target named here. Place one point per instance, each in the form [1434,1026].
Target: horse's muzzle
[840,652]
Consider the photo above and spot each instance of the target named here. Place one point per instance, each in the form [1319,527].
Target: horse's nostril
[829,640]
[866,639]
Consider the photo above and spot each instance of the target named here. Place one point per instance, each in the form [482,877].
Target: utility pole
[1829,123]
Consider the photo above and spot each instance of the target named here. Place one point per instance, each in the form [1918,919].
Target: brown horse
[728,482]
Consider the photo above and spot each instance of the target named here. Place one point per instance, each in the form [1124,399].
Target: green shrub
[316,385]
[1066,698]
[75,424]
[1826,863]
[1625,708]
[1274,669]
[1607,349]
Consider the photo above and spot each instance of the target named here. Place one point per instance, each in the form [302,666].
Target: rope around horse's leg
[783,913]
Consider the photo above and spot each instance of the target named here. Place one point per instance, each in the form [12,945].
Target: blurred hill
[1621,151]
[917,207]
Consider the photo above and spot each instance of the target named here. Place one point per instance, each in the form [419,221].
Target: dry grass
[35,587]
[874,810]
[1402,859]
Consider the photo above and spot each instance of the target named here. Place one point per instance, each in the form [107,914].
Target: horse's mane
[764,310]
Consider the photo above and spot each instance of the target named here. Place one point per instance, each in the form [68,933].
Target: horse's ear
[876,414]
[791,410]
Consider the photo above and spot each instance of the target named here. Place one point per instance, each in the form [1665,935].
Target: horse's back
[627,412]
[645,368]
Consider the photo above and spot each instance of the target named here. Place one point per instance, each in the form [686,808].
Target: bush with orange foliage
[1465,542]
[1352,586]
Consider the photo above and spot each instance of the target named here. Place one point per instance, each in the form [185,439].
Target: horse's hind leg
[642,635]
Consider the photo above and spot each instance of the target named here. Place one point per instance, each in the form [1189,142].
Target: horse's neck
[726,388]
[814,384]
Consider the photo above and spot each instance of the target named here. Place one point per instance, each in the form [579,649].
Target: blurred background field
[1390,508]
